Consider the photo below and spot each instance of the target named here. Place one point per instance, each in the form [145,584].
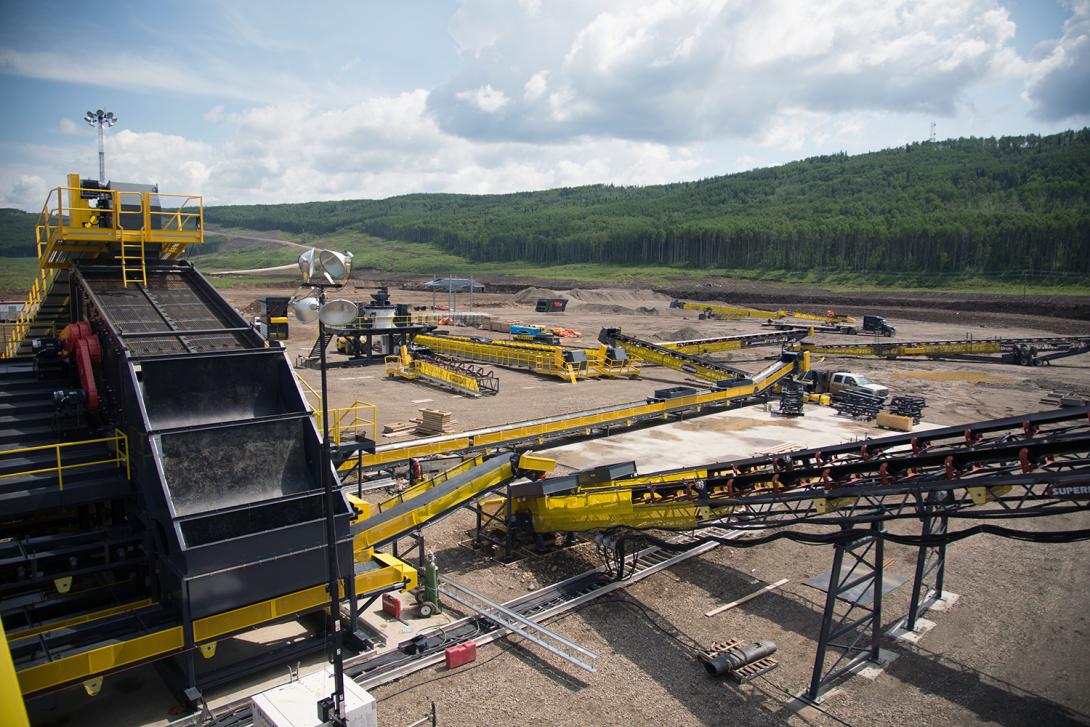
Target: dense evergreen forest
[983,206]
[17,233]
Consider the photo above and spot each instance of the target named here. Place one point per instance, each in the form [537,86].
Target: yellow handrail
[68,225]
[121,453]
[351,420]
[343,421]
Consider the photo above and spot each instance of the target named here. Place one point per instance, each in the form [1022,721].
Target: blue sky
[272,102]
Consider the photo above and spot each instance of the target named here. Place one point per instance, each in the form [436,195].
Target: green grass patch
[17,273]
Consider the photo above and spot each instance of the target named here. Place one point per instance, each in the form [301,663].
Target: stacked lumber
[434,421]
[1066,399]
[399,427]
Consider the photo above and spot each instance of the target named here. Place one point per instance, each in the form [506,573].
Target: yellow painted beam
[83,618]
[12,709]
[159,644]
[894,350]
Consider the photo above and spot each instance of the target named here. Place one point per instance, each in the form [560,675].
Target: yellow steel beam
[520,431]
[12,709]
[539,358]
[698,347]
[162,643]
[742,312]
[82,618]
[429,482]
[708,372]
[894,350]
[418,516]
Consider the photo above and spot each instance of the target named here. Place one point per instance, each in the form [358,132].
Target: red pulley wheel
[69,337]
[94,348]
[87,375]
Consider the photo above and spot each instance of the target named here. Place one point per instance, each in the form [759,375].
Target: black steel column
[930,559]
[853,636]
[339,716]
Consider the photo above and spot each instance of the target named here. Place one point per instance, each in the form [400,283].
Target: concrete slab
[396,630]
[807,708]
[717,437]
[871,670]
[944,602]
[900,632]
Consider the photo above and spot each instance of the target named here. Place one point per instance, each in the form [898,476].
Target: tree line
[969,205]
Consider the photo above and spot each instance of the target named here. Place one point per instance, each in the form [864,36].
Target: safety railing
[69,224]
[315,409]
[344,422]
[350,421]
[39,289]
[600,365]
[546,360]
[119,443]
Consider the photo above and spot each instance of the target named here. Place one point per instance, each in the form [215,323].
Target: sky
[264,102]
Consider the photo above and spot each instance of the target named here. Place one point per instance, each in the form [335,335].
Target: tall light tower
[100,119]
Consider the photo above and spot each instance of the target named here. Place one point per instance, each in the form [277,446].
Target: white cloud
[214,114]
[70,128]
[381,147]
[1058,83]
[672,71]
[487,99]
[123,71]
[536,86]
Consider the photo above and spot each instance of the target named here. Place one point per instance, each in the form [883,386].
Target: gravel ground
[1014,649]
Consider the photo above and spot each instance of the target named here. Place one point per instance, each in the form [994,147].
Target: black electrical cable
[688,642]
[816,706]
[461,670]
[847,536]
[693,647]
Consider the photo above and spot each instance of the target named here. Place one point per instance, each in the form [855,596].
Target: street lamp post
[335,269]
[331,537]
[100,119]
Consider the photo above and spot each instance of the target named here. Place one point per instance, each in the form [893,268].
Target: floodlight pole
[101,119]
[339,716]
[101,156]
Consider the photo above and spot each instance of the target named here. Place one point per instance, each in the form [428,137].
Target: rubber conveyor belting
[434,494]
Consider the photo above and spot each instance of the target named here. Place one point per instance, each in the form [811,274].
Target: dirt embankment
[749,292]
[810,298]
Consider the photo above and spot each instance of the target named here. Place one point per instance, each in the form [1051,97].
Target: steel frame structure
[853,636]
[1021,351]
[1032,466]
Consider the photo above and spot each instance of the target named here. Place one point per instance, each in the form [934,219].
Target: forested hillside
[981,206]
[17,233]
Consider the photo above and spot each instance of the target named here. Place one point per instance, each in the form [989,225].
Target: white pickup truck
[835,382]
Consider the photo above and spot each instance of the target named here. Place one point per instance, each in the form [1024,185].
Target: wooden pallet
[748,672]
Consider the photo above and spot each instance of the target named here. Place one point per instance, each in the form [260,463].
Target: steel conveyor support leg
[189,690]
[930,562]
[852,637]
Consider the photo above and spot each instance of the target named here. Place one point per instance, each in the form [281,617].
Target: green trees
[986,206]
[17,233]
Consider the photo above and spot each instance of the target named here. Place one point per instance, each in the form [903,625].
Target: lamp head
[306,309]
[336,266]
[338,313]
[307,263]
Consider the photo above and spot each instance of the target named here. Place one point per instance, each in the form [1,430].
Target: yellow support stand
[12,709]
